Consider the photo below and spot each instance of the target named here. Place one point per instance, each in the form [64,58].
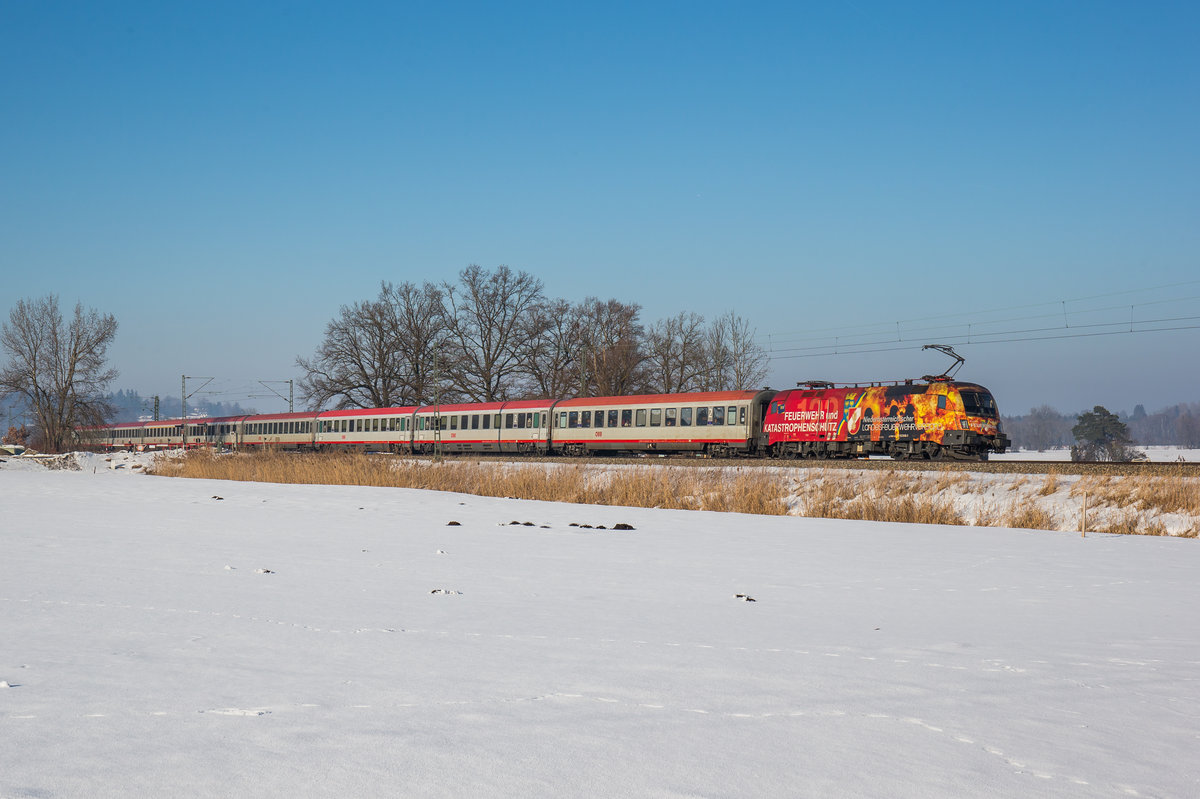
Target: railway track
[1145,469]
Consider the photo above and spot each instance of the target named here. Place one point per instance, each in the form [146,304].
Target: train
[927,419]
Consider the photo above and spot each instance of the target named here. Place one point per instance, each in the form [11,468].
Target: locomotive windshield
[979,403]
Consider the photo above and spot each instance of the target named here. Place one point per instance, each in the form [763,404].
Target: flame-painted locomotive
[934,419]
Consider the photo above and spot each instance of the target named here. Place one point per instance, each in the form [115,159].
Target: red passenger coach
[716,422]
[280,430]
[516,426]
[365,428]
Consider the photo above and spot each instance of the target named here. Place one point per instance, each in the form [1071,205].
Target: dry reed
[637,486]
[1135,505]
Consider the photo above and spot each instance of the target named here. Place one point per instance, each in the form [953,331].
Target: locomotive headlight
[964,424]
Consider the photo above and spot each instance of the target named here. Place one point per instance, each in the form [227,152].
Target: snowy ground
[1153,454]
[167,637]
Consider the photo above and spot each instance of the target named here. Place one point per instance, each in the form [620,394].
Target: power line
[1052,309]
[987,338]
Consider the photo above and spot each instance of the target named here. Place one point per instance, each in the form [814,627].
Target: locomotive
[935,418]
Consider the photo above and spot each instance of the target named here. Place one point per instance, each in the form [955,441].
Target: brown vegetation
[1135,505]
[631,486]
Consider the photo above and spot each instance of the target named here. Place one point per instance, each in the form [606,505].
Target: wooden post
[1083,518]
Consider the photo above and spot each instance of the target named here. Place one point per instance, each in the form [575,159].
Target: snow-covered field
[165,637]
[1153,454]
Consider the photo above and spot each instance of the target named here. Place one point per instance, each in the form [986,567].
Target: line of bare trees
[494,335]
[1045,428]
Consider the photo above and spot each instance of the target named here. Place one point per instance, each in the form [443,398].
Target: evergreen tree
[1101,436]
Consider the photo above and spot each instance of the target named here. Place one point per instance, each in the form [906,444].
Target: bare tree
[675,354]
[489,319]
[552,357]
[59,369]
[357,365]
[418,335]
[611,338]
[1046,428]
[736,361]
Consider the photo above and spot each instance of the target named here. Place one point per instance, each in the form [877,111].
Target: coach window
[670,417]
[562,419]
[599,418]
[487,421]
[453,422]
[685,417]
[641,417]
[627,417]
[702,415]
[656,417]
[474,421]
[496,421]
[537,419]
[732,414]
[585,418]
[508,421]
[719,415]
[573,419]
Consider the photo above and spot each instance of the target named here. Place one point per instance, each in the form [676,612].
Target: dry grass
[1028,516]
[879,497]
[1157,494]
[1145,505]
[641,486]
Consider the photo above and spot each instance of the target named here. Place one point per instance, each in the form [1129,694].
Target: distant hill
[132,406]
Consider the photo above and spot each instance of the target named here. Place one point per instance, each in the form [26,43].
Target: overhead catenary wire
[1059,321]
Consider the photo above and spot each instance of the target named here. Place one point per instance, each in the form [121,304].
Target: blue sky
[223,176]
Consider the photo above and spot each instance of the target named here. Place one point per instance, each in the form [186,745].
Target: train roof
[277,416]
[485,407]
[660,399]
[348,412]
